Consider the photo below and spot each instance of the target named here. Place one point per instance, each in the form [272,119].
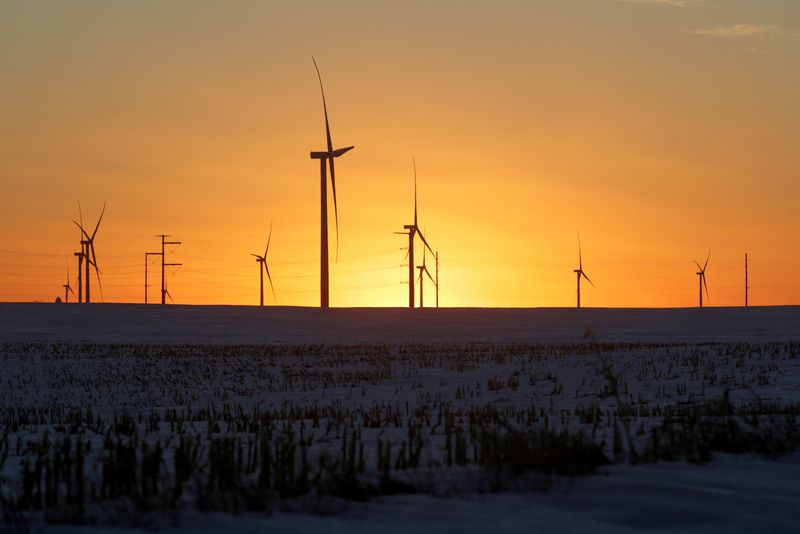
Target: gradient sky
[659,128]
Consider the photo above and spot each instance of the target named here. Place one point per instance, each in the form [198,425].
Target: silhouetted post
[163,264]
[746,285]
[80,278]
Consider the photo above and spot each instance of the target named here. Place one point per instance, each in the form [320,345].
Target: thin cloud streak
[673,3]
[738,31]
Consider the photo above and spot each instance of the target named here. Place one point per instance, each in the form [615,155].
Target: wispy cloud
[761,31]
[674,3]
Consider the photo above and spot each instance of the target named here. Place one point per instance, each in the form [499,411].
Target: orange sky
[660,128]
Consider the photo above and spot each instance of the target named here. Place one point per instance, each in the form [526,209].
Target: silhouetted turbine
[413,230]
[702,278]
[579,271]
[262,261]
[89,254]
[326,158]
[67,287]
[423,269]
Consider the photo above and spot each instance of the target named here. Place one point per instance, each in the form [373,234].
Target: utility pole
[164,242]
[746,285]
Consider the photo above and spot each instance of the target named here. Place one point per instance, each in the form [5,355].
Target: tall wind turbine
[412,231]
[262,267]
[89,254]
[579,271]
[702,278]
[423,269]
[67,287]
[326,158]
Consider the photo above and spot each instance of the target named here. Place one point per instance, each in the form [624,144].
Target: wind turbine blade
[94,256]
[587,278]
[80,214]
[698,265]
[419,233]
[98,220]
[414,163]
[275,298]
[260,258]
[429,276]
[580,257]
[324,107]
[707,258]
[406,256]
[339,151]
[100,285]
[268,240]
[82,230]
[703,276]
[330,154]
[335,206]
[69,288]
[169,295]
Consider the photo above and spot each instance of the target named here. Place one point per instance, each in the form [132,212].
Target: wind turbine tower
[579,271]
[701,274]
[164,242]
[87,250]
[412,231]
[423,269]
[80,267]
[67,288]
[326,158]
[262,267]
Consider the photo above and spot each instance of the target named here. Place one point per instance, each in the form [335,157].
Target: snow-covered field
[302,420]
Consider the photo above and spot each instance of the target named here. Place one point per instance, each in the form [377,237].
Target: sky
[659,129]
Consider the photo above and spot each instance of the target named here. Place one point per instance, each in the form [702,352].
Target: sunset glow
[660,130]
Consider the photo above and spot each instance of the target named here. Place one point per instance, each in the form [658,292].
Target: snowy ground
[436,389]
[117,323]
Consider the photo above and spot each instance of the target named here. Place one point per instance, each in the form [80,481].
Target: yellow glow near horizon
[656,138]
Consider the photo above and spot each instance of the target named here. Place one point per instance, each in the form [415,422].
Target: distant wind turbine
[424,269]
[262,267]
[326,158]
[67,287]
[87,243]
[412,231]
[579,271]
[702,278]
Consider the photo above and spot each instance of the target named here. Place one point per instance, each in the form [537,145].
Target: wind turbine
[413,230]
[423,269]
[262,261]
[702,277]
[87,246]
[326,158]
[579,271]
[67,287]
